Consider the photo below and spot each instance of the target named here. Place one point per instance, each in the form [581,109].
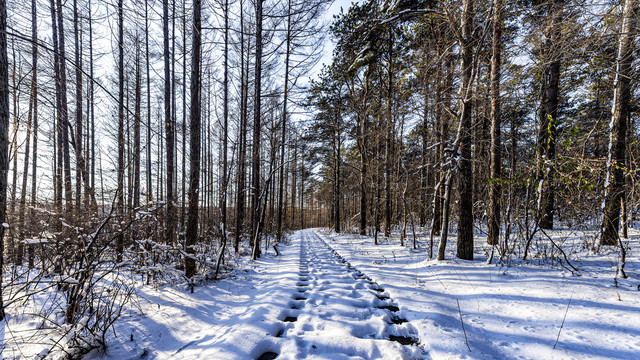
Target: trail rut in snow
[338,312]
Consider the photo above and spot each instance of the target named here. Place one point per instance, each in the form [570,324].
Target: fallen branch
[465,332]
[563,319]
[559,248]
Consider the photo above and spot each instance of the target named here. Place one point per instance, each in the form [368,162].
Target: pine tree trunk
[4,135]
[337,158]
[255,199]
[184,115]
[389,141]
[614,190]
[495,186]
[465,180]
[136,128]
[194,154]
[549,117]
[147,63]
[284,123]
[121,143]
[91,100]
[57,137]
[78,59]
[225,136]
[34,94]
[168,123]
[64,113]
[242,146]
[32,122]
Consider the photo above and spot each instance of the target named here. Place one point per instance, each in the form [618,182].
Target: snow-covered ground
[510,312]
[330,296]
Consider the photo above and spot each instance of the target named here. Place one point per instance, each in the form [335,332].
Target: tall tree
[91,100]
[168,123]
[148,74]
[283,130]
[57,138]
[4,135]
[548,113]
[63,110]
[194,154]
[34,94]
[78,138]
[465,180]
[225,136]
[255,174]
[242,135]
[614,191]
[495,158]
[136,126]
[32,121]
[121,143]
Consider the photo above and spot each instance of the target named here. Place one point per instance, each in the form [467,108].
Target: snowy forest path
[337,312]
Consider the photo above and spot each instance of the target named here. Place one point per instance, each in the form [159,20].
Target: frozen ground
[510,312]
[330,296]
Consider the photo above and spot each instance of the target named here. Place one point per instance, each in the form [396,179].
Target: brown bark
[614,191]
[4,134]
[194,154]
[136,129]
[495,160]
[465,180]
[284,123]
[64,114]
[549,116]
[169,127]
[242,148]
[121,144]
[147,63]
[255,198]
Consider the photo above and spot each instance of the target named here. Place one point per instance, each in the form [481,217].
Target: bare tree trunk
[240,196]
[284,123]
[389,141]
[34,99]
[495,186]
[4,135]
[121,144]
[225,136]
[465,181]
[168,120]
[31,119]
[146,37]
[549,117]
[64,114]
[614,191]
[444,233]
[255,199]
[184,113]
[78,140]
[194,155]
[136,127]
[294,175]
[362,149]
[14,142]
[57,137]
[440,138]
[337,159]
[91,100]
[13,249]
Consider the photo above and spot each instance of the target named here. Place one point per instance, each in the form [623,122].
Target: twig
[463,330]
[559,248]
[563,319]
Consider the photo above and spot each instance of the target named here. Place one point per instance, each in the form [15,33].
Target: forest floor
[330,296]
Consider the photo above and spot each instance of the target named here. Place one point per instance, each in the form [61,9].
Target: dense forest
[165,141]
